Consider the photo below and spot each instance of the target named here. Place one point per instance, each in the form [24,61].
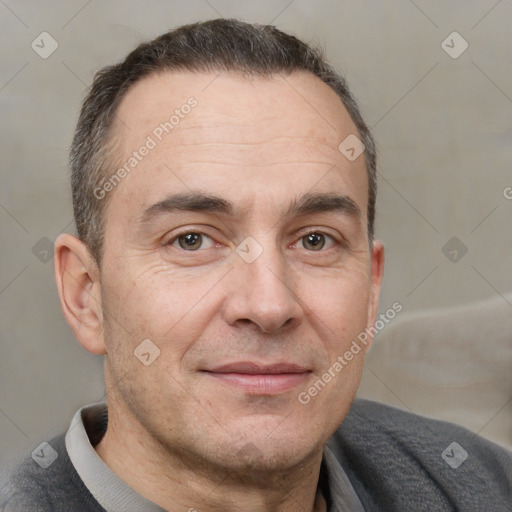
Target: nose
[263,293]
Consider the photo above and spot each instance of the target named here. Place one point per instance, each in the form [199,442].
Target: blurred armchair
[451,363]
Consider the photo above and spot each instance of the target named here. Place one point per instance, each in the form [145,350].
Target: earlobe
[78,284]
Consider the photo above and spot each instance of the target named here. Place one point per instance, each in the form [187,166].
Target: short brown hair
[212,46]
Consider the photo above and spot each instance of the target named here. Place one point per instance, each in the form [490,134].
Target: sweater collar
[113,494]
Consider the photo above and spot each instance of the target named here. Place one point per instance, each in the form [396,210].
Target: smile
[261,379]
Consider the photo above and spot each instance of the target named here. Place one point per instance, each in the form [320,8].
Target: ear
[78,283]
[377,273]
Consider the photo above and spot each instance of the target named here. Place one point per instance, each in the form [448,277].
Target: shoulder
[45,481]
[390,425]
[402,457]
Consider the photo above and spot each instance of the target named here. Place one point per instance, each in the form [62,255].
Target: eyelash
[330,237]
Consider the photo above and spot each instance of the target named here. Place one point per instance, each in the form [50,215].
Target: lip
[263,379]
[250,368]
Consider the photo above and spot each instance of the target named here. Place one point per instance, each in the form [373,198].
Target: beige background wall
[443,125]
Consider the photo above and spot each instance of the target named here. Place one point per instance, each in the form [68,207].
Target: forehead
[235,136]
[235,97]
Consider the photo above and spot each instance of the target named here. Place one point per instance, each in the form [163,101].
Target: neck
[178,481]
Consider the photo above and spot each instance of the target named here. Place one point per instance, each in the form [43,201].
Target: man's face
[252,296]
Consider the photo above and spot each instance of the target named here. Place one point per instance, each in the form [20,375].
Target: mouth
[260,379]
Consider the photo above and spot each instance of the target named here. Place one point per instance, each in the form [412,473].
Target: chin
[268,450]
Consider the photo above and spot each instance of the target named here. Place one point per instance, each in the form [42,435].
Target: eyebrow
[199,202]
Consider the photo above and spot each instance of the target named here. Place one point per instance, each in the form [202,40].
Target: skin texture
[178,434]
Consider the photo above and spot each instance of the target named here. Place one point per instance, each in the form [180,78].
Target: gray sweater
[396,461]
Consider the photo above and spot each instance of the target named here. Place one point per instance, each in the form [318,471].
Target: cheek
[169,310]
[340,302]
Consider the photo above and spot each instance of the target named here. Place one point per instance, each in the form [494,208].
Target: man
[224,193]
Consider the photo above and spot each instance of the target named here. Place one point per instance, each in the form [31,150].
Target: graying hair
[212,46]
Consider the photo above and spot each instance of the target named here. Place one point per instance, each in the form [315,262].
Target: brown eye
[313,241]
[192,241]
